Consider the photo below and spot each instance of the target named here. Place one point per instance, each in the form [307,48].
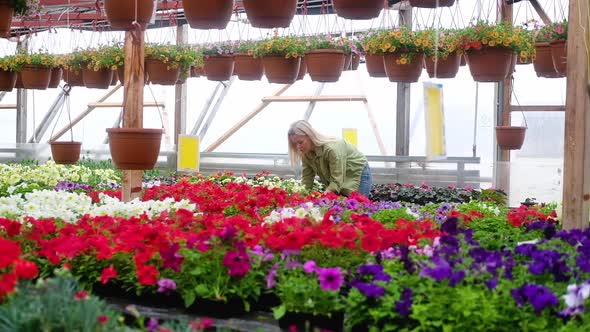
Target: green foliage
[347,259]
[421,195]
[390,216]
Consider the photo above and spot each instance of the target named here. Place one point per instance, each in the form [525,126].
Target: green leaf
[279,312]
[189,297]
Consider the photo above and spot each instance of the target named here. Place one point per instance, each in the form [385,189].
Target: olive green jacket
[338,164]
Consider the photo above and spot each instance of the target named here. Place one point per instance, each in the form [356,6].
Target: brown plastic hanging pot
[207,14]
[358,10]
[7,80]
[510,137]
[543,62]
[73,78]
[121,75]
[6,13]
[134,148]
[356,61]
[247,67]
[325,65]
[159,73]
[445,67]
[431,3]
[270,13]
[35,76]
[100,79]
[302,69]
[375,65]
[279,69]
[219,67]
[56,74]
[65,153]
[197,71]
[559,54]
[490,64]
[407,73]
[121,13]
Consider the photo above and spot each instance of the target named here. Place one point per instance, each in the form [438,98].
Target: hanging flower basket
[375,65]
[121,13]
[510,137]
[35,76]
[56,74]
[559,54]
[73,78]
[6,13]
[121,75]
[7,80]
[543,62]
[431,3]
[270,13]
[65,153]
[397,71]
[134,148]
[279,69]
[100,79]
[325,65]
[159,73]
[207,14]
[247,67]
[219,67]
[489,64]
[358,10]
[445,68]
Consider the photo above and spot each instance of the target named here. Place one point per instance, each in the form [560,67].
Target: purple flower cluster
[338,208]
[66,185]
[539,296]
[172,259]
[366,281]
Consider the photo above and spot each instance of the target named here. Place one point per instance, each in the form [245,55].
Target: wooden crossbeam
[8,107]
[538,108]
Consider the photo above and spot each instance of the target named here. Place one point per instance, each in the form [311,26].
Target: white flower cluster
[305,210]
[50,173]
[69,207]
[289,185]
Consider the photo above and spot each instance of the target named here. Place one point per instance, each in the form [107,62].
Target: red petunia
[107,274]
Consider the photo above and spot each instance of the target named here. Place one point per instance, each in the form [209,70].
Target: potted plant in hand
[281,58]
[247,67]
[443,56]
[326,57]
[219,60]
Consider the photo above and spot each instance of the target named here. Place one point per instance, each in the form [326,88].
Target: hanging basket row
[431,3]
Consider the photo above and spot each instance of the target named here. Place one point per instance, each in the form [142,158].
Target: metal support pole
[180,90]
[205,110]
[21,102]
[216,108]
[402,123]
[312,104]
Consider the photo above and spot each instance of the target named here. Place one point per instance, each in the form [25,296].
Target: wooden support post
[576,173]
[133,102]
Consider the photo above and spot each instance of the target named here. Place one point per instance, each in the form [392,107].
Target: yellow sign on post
[435,124]
[188,153]
[350,135]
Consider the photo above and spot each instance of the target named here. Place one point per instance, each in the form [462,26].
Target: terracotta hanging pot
[159,73]
[247,67]
[490,64]
[7,80]
[302,69]
[35,77]
[6,13]
[325,65]
[207,14]
[121,13]
[121,75]
[375,65]
[445,68]
[559,54]
[510,137]
[358,10]
[73,78]
[279,69]
[219,67]
[56,74]
[543,62]
[431,3]
[65,153]
[407,73]
[134,148]
[356,61]
[270,13]
[100,79]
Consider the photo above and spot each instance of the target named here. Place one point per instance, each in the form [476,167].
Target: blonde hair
[303,128]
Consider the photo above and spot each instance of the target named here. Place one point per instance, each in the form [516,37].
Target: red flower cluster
[13,267]
[526,215]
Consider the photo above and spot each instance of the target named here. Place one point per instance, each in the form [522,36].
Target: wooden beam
[120,104]
[8,107]
[245,120]
[537,108]
[133,103]
[576,171]
[313,98]
[539,9]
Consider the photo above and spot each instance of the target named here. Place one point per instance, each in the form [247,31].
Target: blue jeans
[366,181]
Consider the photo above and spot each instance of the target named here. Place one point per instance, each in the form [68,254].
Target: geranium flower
[330,278]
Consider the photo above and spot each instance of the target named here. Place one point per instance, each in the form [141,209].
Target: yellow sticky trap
[188,153]
[434,115]
[350,135]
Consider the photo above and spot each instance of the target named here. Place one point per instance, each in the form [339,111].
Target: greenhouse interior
[156,174]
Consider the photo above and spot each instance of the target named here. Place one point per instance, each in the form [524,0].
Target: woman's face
[301,143]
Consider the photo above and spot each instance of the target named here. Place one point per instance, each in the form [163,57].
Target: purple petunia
[172,259]
[271,276]
[310,267]
[330,278]
[539,296]
[166,286]
[404,305]
[369,289]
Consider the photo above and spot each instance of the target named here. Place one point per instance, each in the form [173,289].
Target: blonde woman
[340,166]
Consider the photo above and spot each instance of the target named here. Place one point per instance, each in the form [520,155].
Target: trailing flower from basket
[221,48]
[289,47]
[38,59]
[407,43]
[504,34]
[442,43]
